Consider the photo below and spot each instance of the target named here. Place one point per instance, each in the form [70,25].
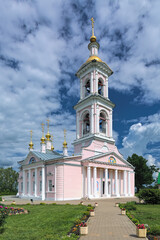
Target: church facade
[97,169]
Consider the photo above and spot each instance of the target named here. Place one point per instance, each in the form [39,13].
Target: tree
[143,173]
[8,180]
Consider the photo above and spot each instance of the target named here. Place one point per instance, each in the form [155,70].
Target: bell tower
[94,109]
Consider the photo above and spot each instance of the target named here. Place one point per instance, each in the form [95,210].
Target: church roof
[159,178]
[48,155]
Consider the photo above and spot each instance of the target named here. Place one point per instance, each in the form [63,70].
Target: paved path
[107,224]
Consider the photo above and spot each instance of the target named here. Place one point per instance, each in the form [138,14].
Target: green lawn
[148,214]
[44,222]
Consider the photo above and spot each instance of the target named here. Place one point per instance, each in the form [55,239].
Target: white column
[92,119]
[81,89]
[106,182]
[110,123]
[106,87]
[116,185]
[101,182]
[129,184]
[124,183]
[88,181]
[29,182]
[95,181]
[24,183]
[111,182]
[77,125]
[120,184]
[91,82]
[96,87]
[84,181]
[36,182]
[97,122]
[43,183]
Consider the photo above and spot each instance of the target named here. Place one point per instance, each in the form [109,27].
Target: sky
[44,43]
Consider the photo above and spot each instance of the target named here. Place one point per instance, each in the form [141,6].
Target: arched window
[100,87]
[87,88]
[102,123]
[32,160]
[86,124]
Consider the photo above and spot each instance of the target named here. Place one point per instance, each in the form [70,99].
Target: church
[97,169]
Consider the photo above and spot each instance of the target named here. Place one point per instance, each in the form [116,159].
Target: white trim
[106,182]
[43,183]
[88,181]
[36,182]
[95,181]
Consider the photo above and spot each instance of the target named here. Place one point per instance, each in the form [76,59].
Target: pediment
[31,158]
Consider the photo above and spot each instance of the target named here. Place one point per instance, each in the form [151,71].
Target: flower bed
[11,210]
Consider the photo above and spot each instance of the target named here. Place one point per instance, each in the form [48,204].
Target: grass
[146,214]
[44,222]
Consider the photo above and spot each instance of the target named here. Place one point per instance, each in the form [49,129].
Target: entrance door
[103,186]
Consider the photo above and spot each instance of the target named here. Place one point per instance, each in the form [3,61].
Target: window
[40,173]
[33,174]
[86,124]
[27,187]
[100,87]
[87,88]
[33,186]
[102,123]
[32,160]
[27,174]
[50,185]
[21,186]
[40,186]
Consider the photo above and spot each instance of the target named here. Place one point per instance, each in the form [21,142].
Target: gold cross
[65,134]
[92,26]
[52,137]
[48,123]
[31,133]
[42,127]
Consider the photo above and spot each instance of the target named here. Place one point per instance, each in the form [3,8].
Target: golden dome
[93,38]
[64,144]
[94,58]
[52,148]
[48,135]
[43,140]
[31,145]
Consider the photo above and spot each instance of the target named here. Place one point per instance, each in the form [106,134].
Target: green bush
[128,206]
[87,213]
[135,221]
[89,208]
[26,204]
[54,203]
[155,230]
[3,215]
[0,198]
[42,203]
[151,196]
[89,205]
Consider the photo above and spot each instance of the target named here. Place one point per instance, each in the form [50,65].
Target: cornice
[92,137]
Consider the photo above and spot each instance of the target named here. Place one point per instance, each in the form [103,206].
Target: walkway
[109,224]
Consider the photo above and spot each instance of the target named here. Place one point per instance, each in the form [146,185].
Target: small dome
[93,39]
[31,145]
[48,135]
[64,144]
[94,58]
[43,140]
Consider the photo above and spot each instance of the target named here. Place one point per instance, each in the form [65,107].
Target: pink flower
[6,207]
[1,206]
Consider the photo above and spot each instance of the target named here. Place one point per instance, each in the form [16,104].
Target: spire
[31,144]
[43,138]
[93,38]
[52,148]
[48,136]
[65,149]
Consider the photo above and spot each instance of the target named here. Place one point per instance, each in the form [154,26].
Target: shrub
[54,203]
[0,198]
[26,204]
[87,213]
[129,206]
[42,203]
[151,196]
[68,204]
[135,221]
[89,205]
[77,221]
[3,215]
[89,208]
[155,230]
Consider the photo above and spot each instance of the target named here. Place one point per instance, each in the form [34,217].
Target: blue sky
[43,44]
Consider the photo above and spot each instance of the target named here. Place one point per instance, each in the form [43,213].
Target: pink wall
[59,182]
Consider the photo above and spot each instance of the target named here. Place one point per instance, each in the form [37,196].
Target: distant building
[97,169]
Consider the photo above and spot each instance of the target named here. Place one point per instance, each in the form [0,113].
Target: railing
[86,131]
[102,130]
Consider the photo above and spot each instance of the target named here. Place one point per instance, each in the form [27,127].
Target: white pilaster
[88,181]
[101,182]
[111,174]
[35,182]
[124,183]
[106,87]
[24,183]
[95,181]
[97,118]
[81,89]
[129,184]
[96,87]
[43,183]
[91,82]
[116,185]
[106,182]
[29,182]
[77,125]
[92,119]
[110,123]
